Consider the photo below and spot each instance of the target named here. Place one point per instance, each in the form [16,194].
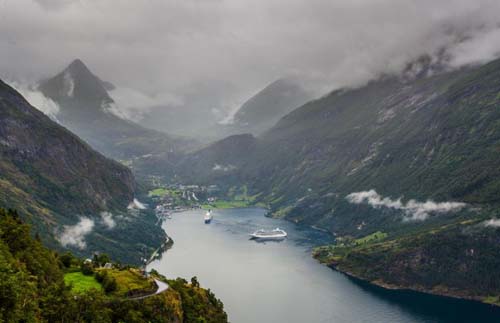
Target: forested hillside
[33,289]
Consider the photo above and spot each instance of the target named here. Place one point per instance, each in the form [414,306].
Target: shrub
[87,269]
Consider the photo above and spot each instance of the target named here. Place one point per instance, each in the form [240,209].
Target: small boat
[208,216]
[276,234]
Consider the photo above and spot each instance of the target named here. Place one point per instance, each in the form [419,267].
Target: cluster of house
[89,261]
[163,210]
[191,196]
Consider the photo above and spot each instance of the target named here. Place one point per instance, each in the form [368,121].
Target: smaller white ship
[208,217]
[276,234]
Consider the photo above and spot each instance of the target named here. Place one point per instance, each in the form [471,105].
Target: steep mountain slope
[403,170]
[374,159]
[430,138]
[265,108]
[51,176]
[425,138]
[87,109]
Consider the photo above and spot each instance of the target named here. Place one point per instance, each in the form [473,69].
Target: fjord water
[281,282]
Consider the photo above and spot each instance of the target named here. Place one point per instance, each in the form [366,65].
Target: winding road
[162,287]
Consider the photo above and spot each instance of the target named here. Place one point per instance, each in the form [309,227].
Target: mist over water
[281,282]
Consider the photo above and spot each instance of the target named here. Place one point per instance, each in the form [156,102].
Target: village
[177,197]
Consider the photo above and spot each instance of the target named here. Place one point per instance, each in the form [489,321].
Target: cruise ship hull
[269,238]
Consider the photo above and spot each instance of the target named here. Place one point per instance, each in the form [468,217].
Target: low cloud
[107,220]
[414,210]
[136,204]
[479,48]
[133,104]
[164,46]
[495,223]
[223,168]
[74,235]
[37,99]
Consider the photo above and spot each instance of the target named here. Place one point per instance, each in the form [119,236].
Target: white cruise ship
[276,234]
[208,216]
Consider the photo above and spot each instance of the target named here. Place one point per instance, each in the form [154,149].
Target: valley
[249,161]
[413,158]
[282,282]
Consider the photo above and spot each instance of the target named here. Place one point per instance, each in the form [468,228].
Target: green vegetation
[282,212]
[492,300]
[222,204]
[130,282]
[192,299]
[461,260]
[235,197]
[81,283]
[159,192]
[376,236]
[38,285]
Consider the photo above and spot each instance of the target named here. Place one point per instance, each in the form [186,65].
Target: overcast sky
[166,48]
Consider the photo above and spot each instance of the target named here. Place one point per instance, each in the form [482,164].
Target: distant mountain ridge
[260,112]
[87,109]
[270,104]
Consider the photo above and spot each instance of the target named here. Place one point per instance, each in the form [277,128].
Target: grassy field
[130,280]
[81,283]
[158,192]
[371,238]
[336,252]
[226,205]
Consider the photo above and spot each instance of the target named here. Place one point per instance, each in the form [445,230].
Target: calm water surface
[280,282]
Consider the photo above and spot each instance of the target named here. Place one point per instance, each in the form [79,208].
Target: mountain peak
[80,72]
[75,82]
[265,108]
[77,66]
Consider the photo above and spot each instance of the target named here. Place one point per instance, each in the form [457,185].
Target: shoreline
[158,253]
[168,243]
[391,287]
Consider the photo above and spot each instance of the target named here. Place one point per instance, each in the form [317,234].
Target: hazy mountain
[200,115]
[87,109]
[55,179]
[220,160]
[264,109]
[196,115]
